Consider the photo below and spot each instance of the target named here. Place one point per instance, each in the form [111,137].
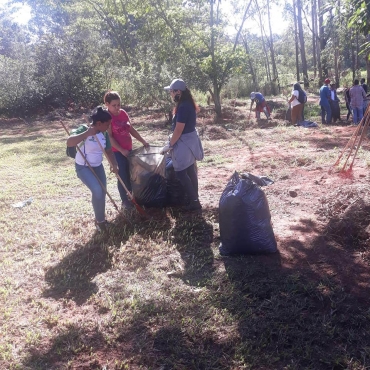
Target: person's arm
[138,137]
[112,158]
[115,144]
[179,128]
[328,94]
[74,140]
[292,98]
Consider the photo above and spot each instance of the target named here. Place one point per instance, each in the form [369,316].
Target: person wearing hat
[89,167]
[324,102]
[184,146]
[358,95]
[261,105]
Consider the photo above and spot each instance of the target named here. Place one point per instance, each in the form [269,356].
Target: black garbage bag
[176,195]
[245,220]
[147,173]
[259,180]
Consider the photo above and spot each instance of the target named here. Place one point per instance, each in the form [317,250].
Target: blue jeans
[357,114]
[189,181]
[124,174]
[325,110]
[98,193]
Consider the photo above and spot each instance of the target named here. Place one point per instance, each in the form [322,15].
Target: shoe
[193,206]
[101,227]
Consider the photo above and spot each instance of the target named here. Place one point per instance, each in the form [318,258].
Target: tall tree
[302,43]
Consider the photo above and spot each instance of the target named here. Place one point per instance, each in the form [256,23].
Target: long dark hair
[297,86]
[186,96]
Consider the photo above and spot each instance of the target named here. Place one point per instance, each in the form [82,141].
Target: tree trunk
[216,90]
[296,41]
[323,72]
[250,62]
[314,33]
[272,52]
[318,51]
[302,44]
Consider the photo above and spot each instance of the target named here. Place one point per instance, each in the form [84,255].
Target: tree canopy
[71,52]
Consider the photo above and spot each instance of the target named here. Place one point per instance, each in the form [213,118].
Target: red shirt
[121,130]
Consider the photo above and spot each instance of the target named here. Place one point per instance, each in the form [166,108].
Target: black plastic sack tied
[147,172]
[245,220]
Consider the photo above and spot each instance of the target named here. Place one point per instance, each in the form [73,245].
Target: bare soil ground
[156,294]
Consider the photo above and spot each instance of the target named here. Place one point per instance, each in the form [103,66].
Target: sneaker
[193,206]
[101,227]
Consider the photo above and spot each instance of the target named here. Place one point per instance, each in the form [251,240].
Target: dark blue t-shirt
[185,114]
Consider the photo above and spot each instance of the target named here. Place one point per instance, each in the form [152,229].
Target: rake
[92,170]
[129,194]
[354,143]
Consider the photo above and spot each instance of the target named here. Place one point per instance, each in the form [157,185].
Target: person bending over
[85,138]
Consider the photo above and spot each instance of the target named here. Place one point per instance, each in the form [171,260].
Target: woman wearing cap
[84,137]
[185,147]
[324,102]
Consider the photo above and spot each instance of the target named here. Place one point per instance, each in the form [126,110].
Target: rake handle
[364,129]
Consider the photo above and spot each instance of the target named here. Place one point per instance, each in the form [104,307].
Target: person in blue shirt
[261,105]
[325,103]
[184,146]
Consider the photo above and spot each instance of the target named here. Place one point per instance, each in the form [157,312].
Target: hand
[125,152]
[92,131]
[114,169]
[146,145]
[166,148]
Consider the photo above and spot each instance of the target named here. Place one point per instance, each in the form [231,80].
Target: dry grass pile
[348,212]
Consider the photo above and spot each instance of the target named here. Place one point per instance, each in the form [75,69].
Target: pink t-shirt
[121,130]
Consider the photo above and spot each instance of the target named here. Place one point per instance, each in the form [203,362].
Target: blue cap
[176,84]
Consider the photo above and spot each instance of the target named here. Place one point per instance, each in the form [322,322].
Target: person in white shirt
[85,138]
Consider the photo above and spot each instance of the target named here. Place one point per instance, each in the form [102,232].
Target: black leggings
[189,181]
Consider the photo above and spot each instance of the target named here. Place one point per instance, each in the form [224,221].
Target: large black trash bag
[245,220]
[176,195]
[147,172]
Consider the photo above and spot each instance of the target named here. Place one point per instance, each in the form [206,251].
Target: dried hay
[348,211]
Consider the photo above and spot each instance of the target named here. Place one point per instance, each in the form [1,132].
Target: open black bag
[245,220]
[147,173]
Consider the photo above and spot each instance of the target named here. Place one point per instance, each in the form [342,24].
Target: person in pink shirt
[120,132]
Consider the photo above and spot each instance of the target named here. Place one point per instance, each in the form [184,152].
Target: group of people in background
[111,126]
[355,98]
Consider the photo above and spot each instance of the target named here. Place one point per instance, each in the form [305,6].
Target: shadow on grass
[64,347]
[259,312]
[72,277]
[193,236]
